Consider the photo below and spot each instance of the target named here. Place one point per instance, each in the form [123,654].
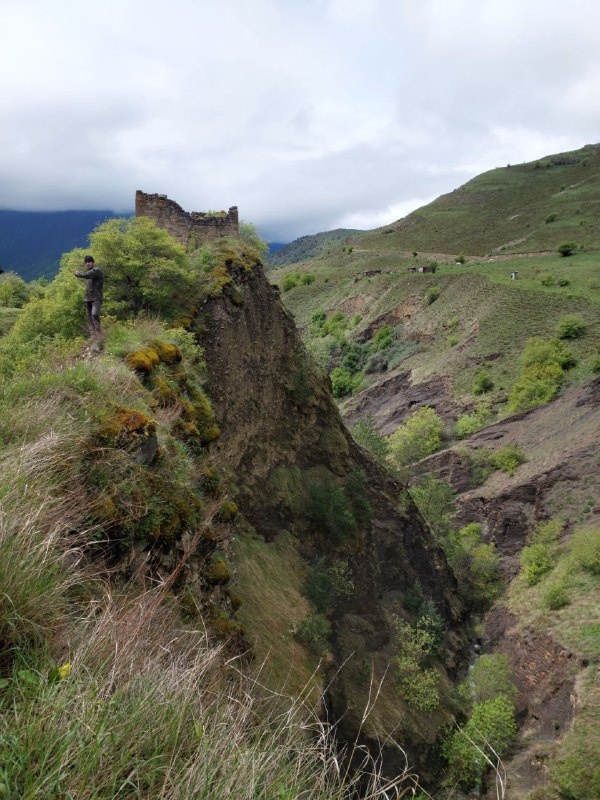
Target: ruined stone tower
[190,229]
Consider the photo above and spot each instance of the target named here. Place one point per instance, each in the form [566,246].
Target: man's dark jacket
[95,285]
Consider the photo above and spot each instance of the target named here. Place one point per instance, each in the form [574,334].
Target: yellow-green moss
[167,353]
[163,395]
[209,434]
[218,571]
[228,511]
[224,626]
[126,425]
[143,360]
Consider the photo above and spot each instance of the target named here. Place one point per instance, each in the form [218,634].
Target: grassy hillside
[514,209]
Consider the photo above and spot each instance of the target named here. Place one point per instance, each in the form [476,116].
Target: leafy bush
[555,597]
[489,734]
[470,422]
[566,248]
[537,558]
[382,338]
[313,632]
[329,509]
[289,281]
[14,292]
[542,374]
[293,279]
[366,435]
[418,437]
[536,561]
[436,501]
[508,458]
[483,383]
[417,683]
[571,327]
[490,677]
[585,550]
[551,218]
[343,382]
[475,564]
[431,295]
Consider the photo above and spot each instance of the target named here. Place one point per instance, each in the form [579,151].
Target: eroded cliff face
[282,436]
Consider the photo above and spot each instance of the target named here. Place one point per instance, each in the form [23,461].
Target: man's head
[89,261]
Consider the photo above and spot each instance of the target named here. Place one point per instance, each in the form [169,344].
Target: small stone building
[190,229]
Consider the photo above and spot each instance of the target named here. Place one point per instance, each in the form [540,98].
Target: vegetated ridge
[310,246]
[210,462]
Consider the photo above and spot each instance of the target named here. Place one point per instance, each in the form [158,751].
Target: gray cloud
[307,115]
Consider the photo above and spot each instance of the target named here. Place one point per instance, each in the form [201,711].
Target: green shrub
[489,734]
[508,458]
[431,295]
[467,424]
[329,510]
[475,564]
[314,632]
[343,382]
[418,437]
[542,374]
[555,597]
[436,501]
[537,558]
[551,218]
[566,248]
[14,292]
[382,338]
[585,550]
[417,683]
[290,281]
[490,677]
[536,561]
[571,327]
[461,258]
[366,435]
[483,383]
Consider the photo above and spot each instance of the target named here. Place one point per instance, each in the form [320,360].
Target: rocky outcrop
[281,435]
[394,397]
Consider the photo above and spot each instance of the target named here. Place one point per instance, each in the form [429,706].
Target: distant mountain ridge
[32,242]
[311,246]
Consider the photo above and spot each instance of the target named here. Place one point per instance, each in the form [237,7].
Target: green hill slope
[518,208]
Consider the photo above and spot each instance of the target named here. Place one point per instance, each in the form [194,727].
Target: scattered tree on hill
[14,292]
[418,437]
[571,327]
[566,249]
[250,236]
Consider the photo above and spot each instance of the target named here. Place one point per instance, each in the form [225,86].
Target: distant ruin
[190,229]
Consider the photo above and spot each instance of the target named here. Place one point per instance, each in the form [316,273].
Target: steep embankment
[298,470]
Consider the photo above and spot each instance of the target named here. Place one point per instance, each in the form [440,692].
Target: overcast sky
[307,114]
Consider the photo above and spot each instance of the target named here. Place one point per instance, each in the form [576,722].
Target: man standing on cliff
[93,292]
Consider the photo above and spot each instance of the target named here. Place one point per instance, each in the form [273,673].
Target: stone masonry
[190,229]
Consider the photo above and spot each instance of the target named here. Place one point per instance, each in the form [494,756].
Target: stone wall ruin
[190,229]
